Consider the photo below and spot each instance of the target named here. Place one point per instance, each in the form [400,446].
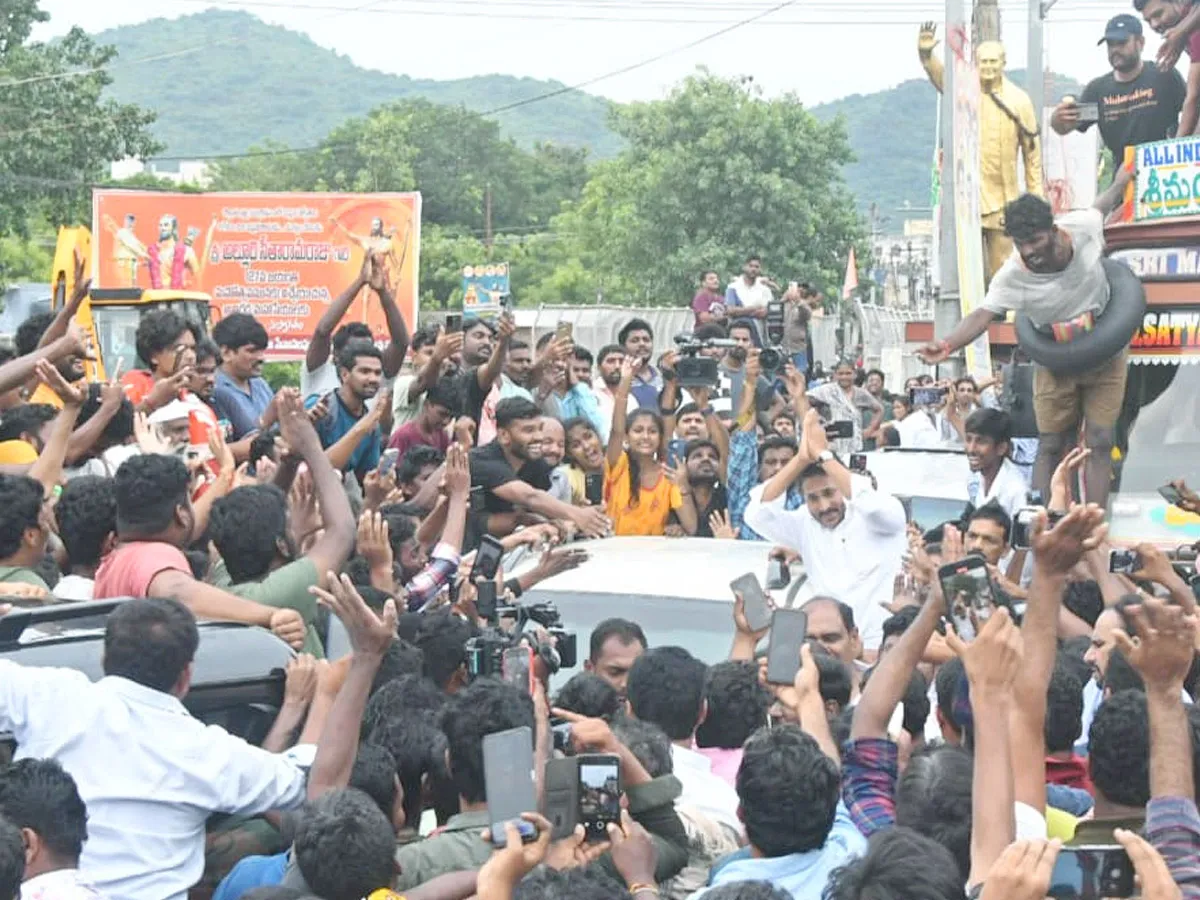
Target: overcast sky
[821,49]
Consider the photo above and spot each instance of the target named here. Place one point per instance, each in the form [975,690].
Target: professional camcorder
[485,653]
[696,371]
[771,357]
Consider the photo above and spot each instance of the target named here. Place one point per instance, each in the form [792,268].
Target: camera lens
[770,359]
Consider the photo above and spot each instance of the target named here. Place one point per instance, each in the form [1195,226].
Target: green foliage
[251,82]
[711,174]
[59,132]
[281,374]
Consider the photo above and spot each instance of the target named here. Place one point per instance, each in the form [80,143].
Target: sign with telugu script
[1168,179]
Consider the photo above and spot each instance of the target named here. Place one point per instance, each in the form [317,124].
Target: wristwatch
[825,456]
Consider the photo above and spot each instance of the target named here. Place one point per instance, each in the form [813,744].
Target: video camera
[485,653]
[694,370]
[771,357]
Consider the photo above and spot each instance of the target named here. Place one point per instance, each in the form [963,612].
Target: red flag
[850,285]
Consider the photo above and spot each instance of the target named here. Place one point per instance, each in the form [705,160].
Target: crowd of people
[910,757]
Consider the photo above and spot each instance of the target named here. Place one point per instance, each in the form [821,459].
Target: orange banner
[283,258]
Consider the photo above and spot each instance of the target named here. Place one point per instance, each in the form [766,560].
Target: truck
[111,315]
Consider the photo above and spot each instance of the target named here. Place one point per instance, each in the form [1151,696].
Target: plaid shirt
[1173,827]
[870,768]
[429,582]
[742,473]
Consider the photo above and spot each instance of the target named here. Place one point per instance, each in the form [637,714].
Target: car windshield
[1158,436]
[704,627]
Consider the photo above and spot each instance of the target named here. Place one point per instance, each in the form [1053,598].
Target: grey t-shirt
[1058,297]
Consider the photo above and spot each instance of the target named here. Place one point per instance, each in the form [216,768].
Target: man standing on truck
[1056,278]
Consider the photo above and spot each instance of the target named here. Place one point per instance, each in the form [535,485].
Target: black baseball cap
[1121,28]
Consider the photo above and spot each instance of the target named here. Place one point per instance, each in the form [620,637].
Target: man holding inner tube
[1057,280]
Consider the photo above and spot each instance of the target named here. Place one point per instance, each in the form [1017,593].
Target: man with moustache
[1138,101]
[604,387]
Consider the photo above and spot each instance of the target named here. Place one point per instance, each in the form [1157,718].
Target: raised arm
[975,324]
[49,465]
[321,344]
[616,436]
[926,42]
[393,354]
[336,543]
[17,372]
[490,371]
[82,284]
[1115,193]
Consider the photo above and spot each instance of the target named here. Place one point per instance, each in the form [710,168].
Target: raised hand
[373,542]
[70,394]
[721,527]
[993,658]
[370,634]
[927,38]
[300,684]
[1057,550]
[1162,645]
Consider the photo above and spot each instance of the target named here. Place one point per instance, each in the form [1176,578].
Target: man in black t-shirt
[511,473]
[1138,102]
[484,349]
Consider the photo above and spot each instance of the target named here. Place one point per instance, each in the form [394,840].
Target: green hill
[258,81]
[892,133]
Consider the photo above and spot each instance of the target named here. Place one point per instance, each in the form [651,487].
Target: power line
[538,97]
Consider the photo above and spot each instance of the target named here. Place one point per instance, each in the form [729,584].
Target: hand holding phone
[487,559]
[599,793]
[967,587]
[756,606]
[1092,872]
[508,780]
[1124,562]
[789,627]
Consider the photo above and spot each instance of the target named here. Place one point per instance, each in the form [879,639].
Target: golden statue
[1008,125]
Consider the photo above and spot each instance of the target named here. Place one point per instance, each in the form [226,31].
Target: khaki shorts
[1061,402]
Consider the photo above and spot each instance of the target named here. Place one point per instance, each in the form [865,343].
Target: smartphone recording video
[599,793]
[967,588]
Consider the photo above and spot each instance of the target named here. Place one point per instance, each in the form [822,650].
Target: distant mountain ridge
[223,99]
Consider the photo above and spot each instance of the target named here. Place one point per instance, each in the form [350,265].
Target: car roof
[687,568]
[937,474]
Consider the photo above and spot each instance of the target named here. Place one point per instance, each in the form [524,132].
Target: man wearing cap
[1138,102]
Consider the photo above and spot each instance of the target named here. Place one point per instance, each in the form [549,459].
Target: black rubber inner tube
[1111,335]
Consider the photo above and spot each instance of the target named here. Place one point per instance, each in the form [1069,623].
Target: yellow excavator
[111,315]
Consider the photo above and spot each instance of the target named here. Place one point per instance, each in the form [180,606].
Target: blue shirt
[646,392]
[241,409]
[334,426]
[803,875]
[250,873]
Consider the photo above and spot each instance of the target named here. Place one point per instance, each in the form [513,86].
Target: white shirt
[149,772]
[75,589]
[1009,489]
[856,562]
[706,793]
[917,430]
[61,884]
[606,400]
[751,296]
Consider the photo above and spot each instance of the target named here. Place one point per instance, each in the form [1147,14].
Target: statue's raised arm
[926,43]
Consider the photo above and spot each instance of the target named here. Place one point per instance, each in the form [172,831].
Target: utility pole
[985,22]
[1035,68]
[487,218]
[947,309]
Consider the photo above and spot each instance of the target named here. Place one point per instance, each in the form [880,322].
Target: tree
[711,174]
[59,132]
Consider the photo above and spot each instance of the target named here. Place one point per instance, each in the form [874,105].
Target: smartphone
[967,588]
[564,331]
[485,600]
[926,396]
[779,575]
[1170,493]
[487,559]
[599,793]
[453,322]
[843,429]
[593,488]
[516,667]
[1089,113]
[560,788]
[788,630]
[754,601]
[858,462]
[508,780]
[1124,562]
[387,462]
[1022,528]
[1092,872]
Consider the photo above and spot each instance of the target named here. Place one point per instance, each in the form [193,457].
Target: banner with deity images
[282,257]
[968,221]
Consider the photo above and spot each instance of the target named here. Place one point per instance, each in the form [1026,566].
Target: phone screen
[858,462]
[788,630]
[926,396]
[754,601]
[778,574]
[593,488]
[487,558]
[387,462]
[1089,112]
[599,793]
[1092,873]
[967,588]
[516,668]
[1123,562]
[453,323]
[1022,523]
[508,779]
[563,331]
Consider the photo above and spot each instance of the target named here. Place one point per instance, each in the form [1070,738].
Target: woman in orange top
[640,490]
